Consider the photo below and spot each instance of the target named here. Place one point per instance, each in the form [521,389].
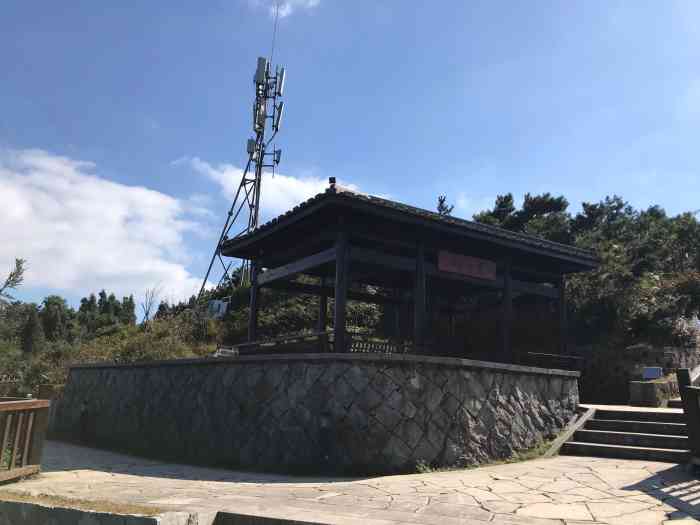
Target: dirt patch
[109,507]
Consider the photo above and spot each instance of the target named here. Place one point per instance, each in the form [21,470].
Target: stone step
[631,438]
[639,427]
[641,415]
[575,448]
[675,403]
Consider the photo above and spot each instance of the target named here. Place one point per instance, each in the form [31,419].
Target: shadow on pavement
[61,456]
[673,487]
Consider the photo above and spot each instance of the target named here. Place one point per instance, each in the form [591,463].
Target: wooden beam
[30,404]
[36,447]
[6,436]
[311,243]
[398,306]
[27,439]
[419,299]
[507,313]
[232,247]
[563,321]
[342,263]
[542,290]
[253,313]
[322,307]
[548,277]
[17,473]
[329,291]
[545,277]
[18,434]
[397,262]
[298,266]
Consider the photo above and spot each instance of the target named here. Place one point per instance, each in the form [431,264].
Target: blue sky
[122,129]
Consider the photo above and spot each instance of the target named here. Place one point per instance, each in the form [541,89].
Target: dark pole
[419,297]
[683,378]
[507,312]
[341,291]
[253,314]
[396,310]
[563,321]
[322,307]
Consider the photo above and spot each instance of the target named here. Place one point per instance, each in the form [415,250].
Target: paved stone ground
[561,490]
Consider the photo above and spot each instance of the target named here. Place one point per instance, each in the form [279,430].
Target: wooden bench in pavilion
[417,261]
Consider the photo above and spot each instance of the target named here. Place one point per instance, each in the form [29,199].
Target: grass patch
[108,507]
[423,467]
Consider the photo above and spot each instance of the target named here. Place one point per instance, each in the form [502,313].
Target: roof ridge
[476,225]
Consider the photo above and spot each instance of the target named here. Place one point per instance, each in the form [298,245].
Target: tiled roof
[340,194]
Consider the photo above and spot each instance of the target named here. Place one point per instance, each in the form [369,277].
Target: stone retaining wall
[340,413]
[654,393]
[607,372]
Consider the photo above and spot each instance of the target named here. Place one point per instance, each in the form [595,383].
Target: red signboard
[464,265]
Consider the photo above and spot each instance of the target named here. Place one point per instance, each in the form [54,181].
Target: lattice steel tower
[267,113]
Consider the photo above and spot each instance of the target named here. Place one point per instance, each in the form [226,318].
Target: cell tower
[267,113]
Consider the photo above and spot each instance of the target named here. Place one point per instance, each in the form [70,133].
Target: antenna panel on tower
[261,71]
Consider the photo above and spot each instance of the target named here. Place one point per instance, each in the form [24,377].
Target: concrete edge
[236,518]
[377,358]
[32,513]
[568,432]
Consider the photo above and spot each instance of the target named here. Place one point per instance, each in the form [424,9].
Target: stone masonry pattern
[302,415]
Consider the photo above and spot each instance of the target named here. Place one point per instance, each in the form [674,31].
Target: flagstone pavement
[562,490]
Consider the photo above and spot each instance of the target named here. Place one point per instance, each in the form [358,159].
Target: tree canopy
[647,288]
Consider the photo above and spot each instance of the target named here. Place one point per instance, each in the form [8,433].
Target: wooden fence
[23,425]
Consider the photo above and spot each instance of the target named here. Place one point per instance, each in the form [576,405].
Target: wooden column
[507,313]
[322,307]
[684,380]
[419,297]
[563,321]
[341,291]
[253,314]
[397,315]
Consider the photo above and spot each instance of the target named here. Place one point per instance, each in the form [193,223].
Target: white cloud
[279,193]
[286,7]
[81,233]
[466,206]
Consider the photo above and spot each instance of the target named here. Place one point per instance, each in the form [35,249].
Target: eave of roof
[334,194]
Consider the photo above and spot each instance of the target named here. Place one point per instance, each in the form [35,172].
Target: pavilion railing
[369,345]
[316,342]
[23,424]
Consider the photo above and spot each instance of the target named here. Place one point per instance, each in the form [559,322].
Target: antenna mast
[267,114]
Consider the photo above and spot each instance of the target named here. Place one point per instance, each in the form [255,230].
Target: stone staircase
[675,403]
[632,434]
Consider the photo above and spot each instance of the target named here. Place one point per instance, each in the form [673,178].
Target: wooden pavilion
[416,261]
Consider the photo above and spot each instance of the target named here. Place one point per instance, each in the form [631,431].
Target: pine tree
[55,317]
[127,314]
[33,340]
[443,208]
